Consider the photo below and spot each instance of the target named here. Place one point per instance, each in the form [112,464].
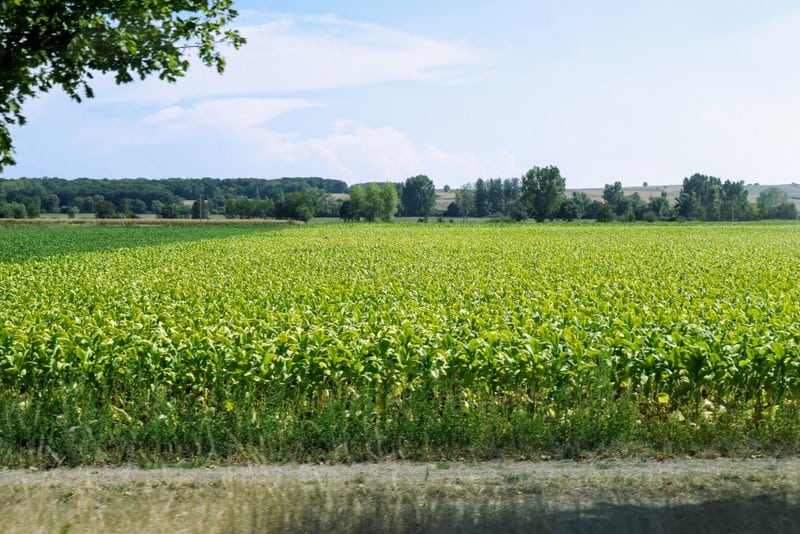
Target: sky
[619,90]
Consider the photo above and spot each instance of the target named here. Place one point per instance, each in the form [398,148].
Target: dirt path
[392,497]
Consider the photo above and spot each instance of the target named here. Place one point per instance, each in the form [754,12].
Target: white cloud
[231,115]
[294,54]
[356,152]
[208,124]
[328,52]
[229,112]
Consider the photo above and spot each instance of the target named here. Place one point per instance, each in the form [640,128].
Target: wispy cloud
[357,152]
[208,124]
[228,112]
[289,54]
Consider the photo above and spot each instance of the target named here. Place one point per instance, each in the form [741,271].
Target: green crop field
[352,342]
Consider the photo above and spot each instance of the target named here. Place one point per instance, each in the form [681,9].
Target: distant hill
[596,193]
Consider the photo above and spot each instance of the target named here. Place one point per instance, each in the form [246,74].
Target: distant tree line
[370,203]
[492,197]
[416,197]
[170,198]
[298,205]
[539,194]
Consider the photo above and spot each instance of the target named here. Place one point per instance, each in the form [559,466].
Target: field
[194,344]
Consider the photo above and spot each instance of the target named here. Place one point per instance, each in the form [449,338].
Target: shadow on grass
[756,514]
[201,502]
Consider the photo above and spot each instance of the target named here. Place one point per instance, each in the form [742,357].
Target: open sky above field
[458,90]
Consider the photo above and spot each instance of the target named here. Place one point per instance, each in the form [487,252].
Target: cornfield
[358,341]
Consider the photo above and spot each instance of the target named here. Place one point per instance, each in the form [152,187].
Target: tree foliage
[199,209]
[481,199]
[774,203]
[660,206]
[389,202]
[633,207]
[492,197]
[244,208]
[733,203]
[707,198]
[614,196]
[465,201]
[298,205]
[543,191]
[569,210]
[358,199]
[585,204]
[105,210]
[56,195]
[769,199]
[52,43]
[419,196]
[372,202]
[699,197]
[605,213]
[496,201]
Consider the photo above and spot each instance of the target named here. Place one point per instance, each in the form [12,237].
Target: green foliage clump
[543,191]
[45,44]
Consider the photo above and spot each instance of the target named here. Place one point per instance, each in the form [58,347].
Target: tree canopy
[370,203]
[543,191]
[167,198]
[773,203]
[52,43]
[418,196]
[708,198]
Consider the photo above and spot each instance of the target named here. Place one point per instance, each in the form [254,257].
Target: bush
[517,211]
[786,210]
[606,214]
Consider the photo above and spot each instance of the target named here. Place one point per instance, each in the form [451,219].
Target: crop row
[680,318]
[492,308]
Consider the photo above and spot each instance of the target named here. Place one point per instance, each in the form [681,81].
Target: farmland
[425,341]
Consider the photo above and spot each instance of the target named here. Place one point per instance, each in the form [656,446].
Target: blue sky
[360,91]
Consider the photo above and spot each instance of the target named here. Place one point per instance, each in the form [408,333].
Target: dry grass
[716,495]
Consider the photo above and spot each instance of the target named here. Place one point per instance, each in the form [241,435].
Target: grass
[510,497]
